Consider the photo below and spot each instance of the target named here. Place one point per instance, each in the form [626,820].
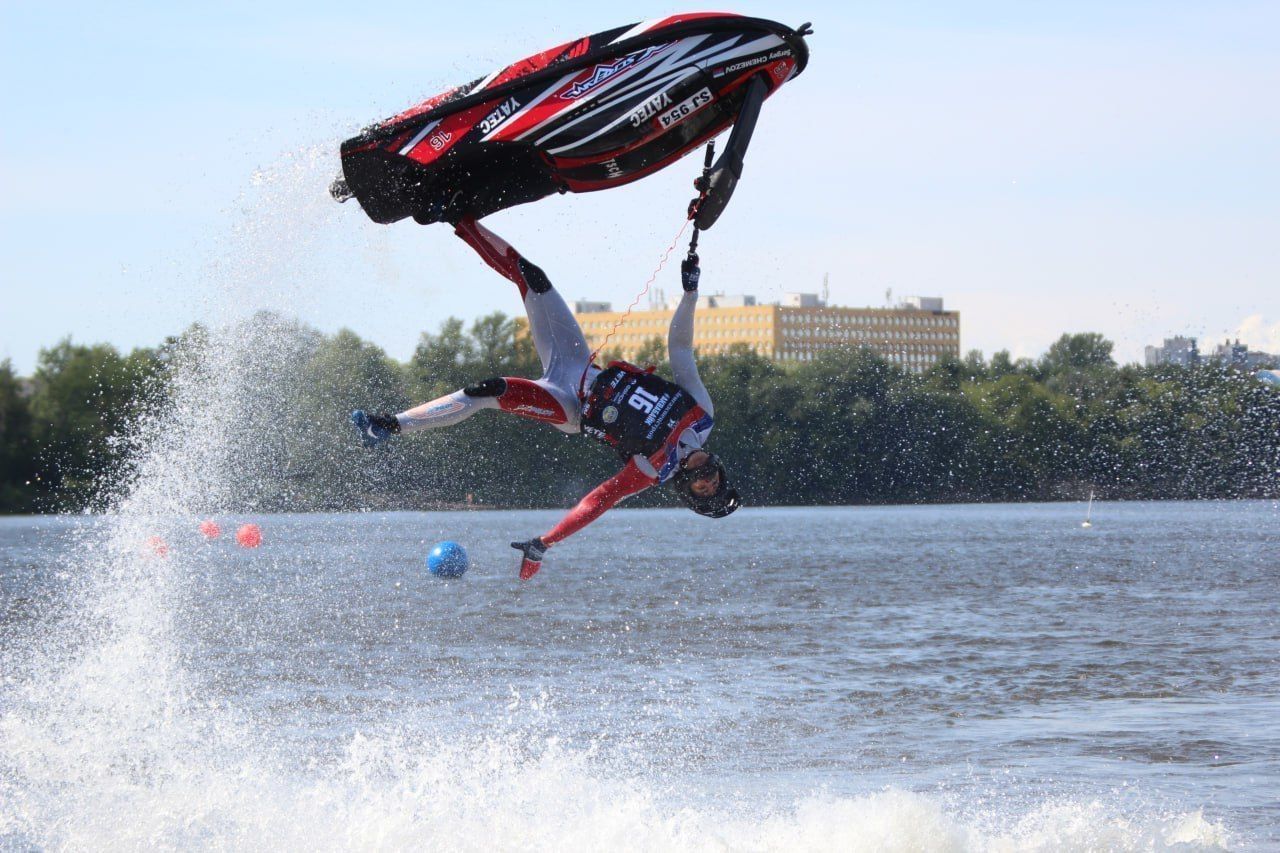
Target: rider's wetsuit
[652,423]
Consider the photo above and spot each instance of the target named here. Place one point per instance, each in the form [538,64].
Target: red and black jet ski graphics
[592,114]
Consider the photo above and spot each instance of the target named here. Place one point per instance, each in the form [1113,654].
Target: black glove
[690,273]
[533,551]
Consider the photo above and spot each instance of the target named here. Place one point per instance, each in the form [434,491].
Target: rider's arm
[627,482]
[684,368]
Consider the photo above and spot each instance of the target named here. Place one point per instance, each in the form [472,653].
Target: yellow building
[913,335]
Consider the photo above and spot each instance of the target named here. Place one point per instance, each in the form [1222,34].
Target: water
[956,678]
[905,678]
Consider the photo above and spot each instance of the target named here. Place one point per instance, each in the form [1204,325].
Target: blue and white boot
[374,429]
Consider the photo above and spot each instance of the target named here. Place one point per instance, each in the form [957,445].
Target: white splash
[108,741]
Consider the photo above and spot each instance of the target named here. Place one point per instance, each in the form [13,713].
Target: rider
[658,427]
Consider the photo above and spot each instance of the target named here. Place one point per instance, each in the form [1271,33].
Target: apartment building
[915,334]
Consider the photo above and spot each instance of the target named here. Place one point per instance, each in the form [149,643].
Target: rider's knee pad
[534,277]
[495,387]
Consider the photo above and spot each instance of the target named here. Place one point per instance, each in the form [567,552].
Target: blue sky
[1109,167]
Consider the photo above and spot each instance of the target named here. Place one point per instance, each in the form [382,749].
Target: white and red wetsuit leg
[562,349]
[524,397]
[627,482]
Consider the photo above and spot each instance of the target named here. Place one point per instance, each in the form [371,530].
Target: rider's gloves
[689,273]
[533,551]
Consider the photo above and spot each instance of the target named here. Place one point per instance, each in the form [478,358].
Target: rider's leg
[522,397]
[556,335]
[444,411]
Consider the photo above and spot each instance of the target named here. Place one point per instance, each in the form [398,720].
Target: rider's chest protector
[632,410]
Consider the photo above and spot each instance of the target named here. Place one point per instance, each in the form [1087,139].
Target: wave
[142,774]
[108,741]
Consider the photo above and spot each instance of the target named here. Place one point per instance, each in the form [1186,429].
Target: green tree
[752,398]
[847,427]
[17,452]
[654,351]
[1035,438]
[82,396]
[844,448]
[441,361]
[500,347]
[1080,351]
[1002,364]
[310,455]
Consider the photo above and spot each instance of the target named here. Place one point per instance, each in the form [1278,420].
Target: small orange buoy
[210,529]
[249,536]
[158,546]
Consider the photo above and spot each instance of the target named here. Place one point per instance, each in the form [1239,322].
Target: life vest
[634,411]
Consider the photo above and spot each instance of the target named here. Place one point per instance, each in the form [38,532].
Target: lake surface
[903,678]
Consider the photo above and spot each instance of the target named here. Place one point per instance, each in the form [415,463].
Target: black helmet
[724,501]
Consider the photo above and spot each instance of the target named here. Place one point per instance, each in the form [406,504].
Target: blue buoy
[448,560]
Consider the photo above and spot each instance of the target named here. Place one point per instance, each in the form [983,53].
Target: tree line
[845,428]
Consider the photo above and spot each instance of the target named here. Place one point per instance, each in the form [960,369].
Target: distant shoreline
[462,507]
[847,428]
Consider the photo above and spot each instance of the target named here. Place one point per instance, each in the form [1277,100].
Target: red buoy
[158,546]
[249,536]
[210,529]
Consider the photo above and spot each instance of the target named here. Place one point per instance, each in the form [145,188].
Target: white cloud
[1258,334]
